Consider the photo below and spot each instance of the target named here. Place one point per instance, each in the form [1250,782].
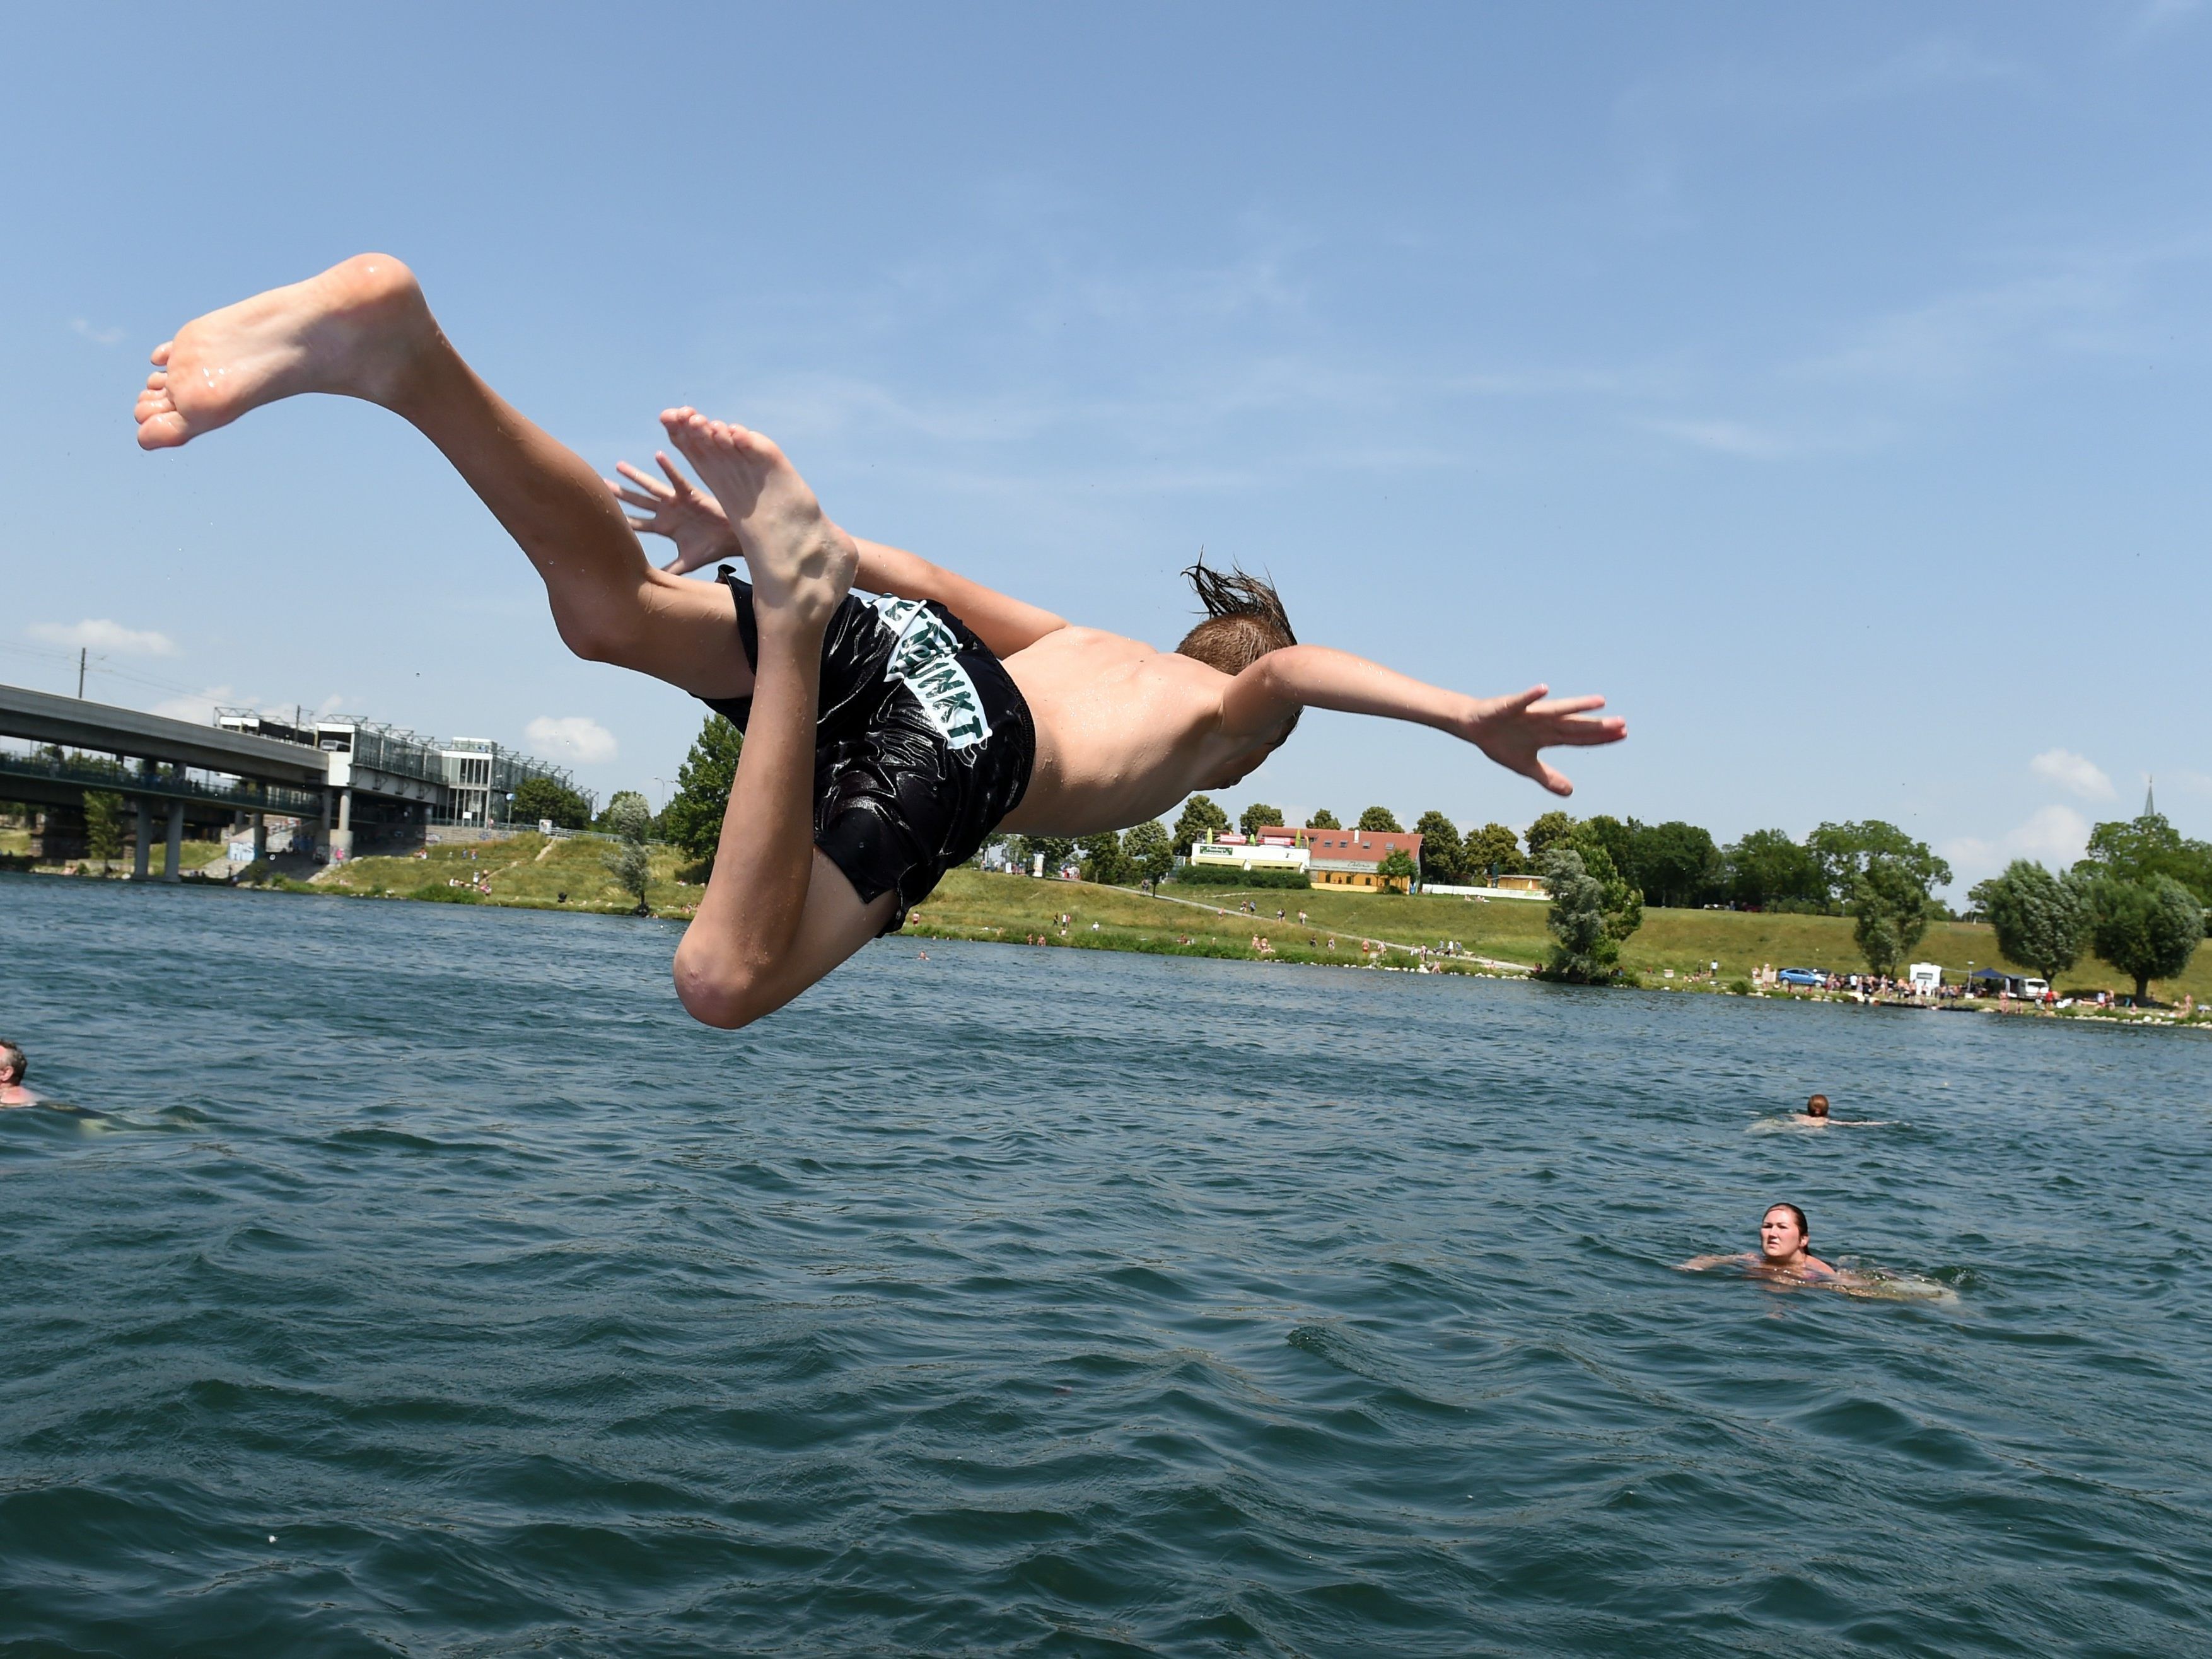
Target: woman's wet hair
[1244,621]
[12,1062]
[1804,1227]
[1821,1100]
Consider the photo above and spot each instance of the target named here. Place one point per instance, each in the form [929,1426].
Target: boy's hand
[1511,730]
[680,510]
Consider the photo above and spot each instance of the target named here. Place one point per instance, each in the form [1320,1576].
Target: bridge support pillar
[342,837]
[142,854]
[260,836]
[323,831]
[175,870]
[61,835]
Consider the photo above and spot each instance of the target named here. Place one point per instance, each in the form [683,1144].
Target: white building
[1269,851]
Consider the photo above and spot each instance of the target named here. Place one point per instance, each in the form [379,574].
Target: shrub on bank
[1226,875]
[438,893]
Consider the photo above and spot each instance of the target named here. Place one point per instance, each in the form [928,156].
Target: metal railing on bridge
[166,784]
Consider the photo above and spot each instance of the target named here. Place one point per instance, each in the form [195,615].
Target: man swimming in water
[12,1065]
[1816,1116]
[1784,1241]
[884,741]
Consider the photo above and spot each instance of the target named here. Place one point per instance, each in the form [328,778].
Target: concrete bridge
[321,771]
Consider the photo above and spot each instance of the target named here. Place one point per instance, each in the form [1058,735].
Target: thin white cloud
[198,707]
[1937,64]
[572,736]
[1959,337]
[1644,380]
[2090,301]
[98,634]
[2156,17]
[106,336]
[1725,438]
[2054,836]
[2075,774]
[1766,443]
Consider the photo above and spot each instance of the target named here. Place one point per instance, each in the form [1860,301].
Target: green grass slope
[529,870]
[971,904]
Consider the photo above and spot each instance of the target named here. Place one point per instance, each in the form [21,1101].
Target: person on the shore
[1784,1250]
[885,742]
[12,1065]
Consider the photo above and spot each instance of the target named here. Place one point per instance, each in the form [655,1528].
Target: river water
[432,1286]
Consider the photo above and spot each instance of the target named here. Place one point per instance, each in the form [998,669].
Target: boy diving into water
[884,742]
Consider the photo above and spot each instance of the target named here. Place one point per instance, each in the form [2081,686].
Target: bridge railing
[243,795]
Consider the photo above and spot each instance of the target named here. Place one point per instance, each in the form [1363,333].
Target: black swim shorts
[922,745]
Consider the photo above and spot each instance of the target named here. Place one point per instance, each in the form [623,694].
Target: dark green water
[439,1289]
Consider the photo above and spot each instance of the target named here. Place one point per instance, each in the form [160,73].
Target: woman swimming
[1784,1237]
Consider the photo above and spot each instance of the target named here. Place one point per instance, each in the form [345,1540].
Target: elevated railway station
[330,780]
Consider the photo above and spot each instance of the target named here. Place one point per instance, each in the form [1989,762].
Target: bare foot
[802,564]
[354,331]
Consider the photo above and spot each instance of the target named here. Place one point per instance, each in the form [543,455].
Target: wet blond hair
[1244,619]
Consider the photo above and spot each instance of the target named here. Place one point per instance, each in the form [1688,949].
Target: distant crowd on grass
[2136,900]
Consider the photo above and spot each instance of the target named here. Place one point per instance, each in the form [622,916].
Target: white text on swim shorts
[926,659]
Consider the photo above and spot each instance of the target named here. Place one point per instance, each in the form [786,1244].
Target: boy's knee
[728,998]
[595,636]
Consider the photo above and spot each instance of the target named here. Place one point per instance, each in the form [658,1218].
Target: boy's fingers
[1585,732]
[668,466]
[1572,706]
[1552,780]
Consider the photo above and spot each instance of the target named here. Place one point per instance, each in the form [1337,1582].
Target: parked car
[1811,977]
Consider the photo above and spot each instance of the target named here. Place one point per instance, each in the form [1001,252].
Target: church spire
[2150,800]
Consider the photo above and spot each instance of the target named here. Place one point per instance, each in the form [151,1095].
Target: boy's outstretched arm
[694,521]
[1511,730]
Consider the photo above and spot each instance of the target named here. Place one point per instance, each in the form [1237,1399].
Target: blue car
[1812,977]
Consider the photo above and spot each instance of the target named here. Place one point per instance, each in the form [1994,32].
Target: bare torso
[1124,731]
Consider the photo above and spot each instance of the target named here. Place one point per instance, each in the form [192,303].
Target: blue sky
[1826,386]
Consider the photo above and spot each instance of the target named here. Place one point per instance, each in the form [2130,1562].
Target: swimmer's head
[1783,1232]
[12,1063]
[1244,621]
[1817,1107]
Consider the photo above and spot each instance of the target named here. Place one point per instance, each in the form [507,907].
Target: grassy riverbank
[533,871]
[971,904]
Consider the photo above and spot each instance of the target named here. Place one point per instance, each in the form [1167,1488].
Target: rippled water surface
[435,1287]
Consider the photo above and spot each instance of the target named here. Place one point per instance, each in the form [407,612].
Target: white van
[2035,989]
[1925,977]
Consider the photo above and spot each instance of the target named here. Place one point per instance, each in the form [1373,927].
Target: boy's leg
[361,329]
[777,914]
